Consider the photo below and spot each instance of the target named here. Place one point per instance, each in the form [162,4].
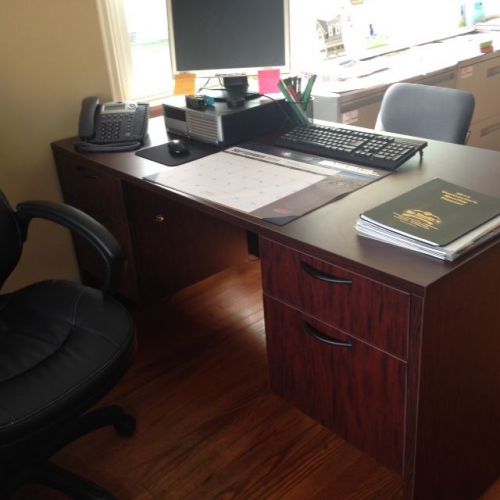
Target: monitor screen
[211,37]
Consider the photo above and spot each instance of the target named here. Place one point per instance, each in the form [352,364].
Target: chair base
[40,470]
[68,483]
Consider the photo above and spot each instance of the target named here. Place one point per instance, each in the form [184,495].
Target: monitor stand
[224,95]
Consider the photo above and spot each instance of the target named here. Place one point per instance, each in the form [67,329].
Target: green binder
[437,212]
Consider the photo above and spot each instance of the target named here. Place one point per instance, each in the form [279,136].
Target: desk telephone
[111,126]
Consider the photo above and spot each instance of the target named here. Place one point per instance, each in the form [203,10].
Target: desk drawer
[90,189]
[100,196]
[175,245]
[359,306]
[351,388]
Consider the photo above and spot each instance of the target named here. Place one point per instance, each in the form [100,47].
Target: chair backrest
[10,238]
[425,111]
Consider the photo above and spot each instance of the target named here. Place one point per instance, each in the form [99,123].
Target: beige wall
[51,55]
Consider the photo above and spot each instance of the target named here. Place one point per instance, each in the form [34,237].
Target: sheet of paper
[238,182]
[383,70]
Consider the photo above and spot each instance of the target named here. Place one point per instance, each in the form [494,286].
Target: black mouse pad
[161,154]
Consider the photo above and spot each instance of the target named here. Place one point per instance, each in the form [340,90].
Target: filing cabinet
[336,344]
[359,108]
[481,77]
[338,297]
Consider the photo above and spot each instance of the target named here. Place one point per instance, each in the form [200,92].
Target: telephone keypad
[113,127]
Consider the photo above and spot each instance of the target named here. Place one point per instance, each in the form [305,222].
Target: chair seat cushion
[62,347]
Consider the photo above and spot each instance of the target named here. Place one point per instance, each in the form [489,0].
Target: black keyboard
[350,145]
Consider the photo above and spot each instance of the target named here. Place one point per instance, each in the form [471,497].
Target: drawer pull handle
[324,277]
[84,172]
[489,130]
[493,72]
[310,330]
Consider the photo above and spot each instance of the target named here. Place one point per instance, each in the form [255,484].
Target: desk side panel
[458,428]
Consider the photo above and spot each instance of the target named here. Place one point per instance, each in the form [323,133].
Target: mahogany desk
[414,379]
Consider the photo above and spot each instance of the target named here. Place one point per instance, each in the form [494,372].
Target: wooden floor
[208,425]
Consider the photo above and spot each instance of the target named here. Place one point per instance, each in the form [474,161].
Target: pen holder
[299,114]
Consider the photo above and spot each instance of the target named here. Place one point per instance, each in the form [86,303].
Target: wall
[52,55]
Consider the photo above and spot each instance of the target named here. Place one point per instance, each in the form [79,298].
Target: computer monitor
[221,37]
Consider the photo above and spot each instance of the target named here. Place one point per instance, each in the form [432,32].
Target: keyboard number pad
[395,151]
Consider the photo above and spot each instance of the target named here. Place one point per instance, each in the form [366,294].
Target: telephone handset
[112,126]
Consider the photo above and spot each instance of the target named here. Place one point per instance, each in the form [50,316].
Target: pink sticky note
[268,81]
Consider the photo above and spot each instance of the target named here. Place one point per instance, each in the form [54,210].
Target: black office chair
[425,111]
[63,346]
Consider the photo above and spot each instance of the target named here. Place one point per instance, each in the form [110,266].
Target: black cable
[280,103]
[205,85]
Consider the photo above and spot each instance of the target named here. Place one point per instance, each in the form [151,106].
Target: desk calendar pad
[269,183]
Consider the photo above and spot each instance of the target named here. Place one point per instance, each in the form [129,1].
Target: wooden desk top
[328,232]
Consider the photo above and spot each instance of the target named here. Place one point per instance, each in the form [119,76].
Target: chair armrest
[82,224]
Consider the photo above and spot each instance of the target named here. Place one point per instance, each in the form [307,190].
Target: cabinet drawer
[351,388]
[77,181]
[362,111]
[91,190]
[362,307]
[441,78]
[486,133]
[483,80]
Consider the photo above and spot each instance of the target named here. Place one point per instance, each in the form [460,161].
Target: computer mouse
[176,147]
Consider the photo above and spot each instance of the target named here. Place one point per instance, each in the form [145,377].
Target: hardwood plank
[208,424]
[493,493]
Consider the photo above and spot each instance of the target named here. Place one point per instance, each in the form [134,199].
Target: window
[135,34]
[148,34]
[136,41]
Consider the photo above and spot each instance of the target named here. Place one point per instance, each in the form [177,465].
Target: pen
[293,93]
[307,92]
[284,90]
